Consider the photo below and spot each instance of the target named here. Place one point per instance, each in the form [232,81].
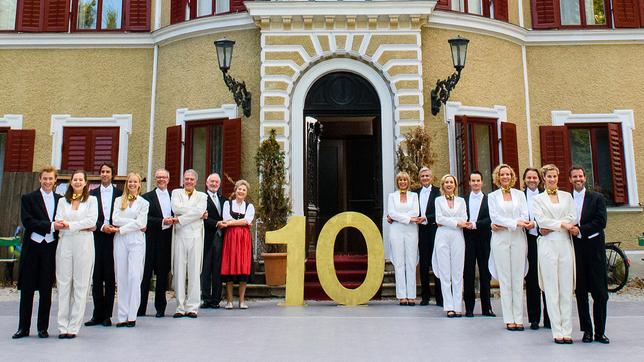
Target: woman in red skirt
[236,259]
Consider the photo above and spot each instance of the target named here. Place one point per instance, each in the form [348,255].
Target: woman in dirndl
[237,254]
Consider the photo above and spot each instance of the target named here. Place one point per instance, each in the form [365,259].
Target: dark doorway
[343,163]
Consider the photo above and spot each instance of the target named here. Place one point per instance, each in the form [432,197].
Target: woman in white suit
[509,246]
[449,245]
[76,216]
[555,213]
[403,209]
[130,219]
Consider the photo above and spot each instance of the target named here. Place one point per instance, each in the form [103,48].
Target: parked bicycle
[617,264]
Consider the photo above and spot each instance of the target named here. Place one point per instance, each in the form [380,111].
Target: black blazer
[430,211]
[483,221]
[593,217]
[101,217]
[34,218]
[210,224]
[155,215]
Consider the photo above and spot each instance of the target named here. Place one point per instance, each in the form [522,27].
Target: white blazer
[189,211]
[133,218]
[394,205]
[519,209]
[78,220]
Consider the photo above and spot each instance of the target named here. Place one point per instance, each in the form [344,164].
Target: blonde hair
[403,175]
[444,178]
[547,168]
[126,192]
[49,169]
[496,175]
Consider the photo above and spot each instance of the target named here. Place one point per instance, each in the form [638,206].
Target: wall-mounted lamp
[440,94]
[225,56]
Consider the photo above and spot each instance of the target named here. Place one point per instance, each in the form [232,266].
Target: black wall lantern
[440,94]
[225,56]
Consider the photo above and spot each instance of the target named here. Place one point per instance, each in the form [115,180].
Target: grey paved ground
[381,331]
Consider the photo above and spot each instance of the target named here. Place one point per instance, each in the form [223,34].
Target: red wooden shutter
[231,157]
[641,13]
[28,17]
[76,147]
[137,15]
[56,15]
[105,146]
[510,146]
[626,13]
[177,12]
[545,14]
[501,10]
[617,164]
[442,5]
[173,155]
[555,149]
[19,151]
[237,6]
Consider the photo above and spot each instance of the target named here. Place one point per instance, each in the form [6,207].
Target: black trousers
[211,269]
[477,250]
[533,292]
[38,271]
[157,260]
[426,234]
[590,259]
[103,281]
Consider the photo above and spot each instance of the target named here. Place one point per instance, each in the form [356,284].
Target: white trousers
[404,257]
[188,255]
[74,264]
[509,251]
[450,256]
[555,253]
[129,259]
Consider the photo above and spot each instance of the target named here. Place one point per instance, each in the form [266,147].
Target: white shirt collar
[165,191]
[580,193]
[46,194]
[535,191]
[106,189]
[476,194]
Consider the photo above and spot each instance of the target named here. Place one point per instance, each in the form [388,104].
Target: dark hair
[48,169]
[576,167]
[70,189]
[108,164]
[475,172]
[525,172]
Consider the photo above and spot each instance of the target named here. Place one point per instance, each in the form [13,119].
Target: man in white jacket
[189,208]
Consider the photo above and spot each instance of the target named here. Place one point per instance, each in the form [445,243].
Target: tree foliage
[414,152]
[274,205]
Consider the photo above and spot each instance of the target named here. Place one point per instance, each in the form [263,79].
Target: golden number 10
[293,235]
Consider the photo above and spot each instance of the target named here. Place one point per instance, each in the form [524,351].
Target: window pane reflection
[484,155]
[112,14]
[87,10]
[570,12]
[199,135]
[581,150]
[595,14]
[8,14]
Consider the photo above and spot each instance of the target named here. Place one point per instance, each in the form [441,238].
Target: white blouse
[240,209]
[402,212]
[447,216]
[502,214]
[133,218]
[82,218]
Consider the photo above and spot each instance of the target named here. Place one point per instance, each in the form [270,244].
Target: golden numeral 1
[293,235]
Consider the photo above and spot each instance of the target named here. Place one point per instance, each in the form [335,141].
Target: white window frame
[626,118]
[457,109]
[59,121]
[12,121]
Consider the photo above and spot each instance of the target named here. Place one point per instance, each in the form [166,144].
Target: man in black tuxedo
[158,244]
[103,281]
[477,247]
[213,245]
[37,261]
[426,233]
[590,257]
[534,295]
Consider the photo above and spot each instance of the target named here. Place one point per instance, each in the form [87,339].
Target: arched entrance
[343,163]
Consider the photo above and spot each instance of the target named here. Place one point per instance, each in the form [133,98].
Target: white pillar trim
[59,121]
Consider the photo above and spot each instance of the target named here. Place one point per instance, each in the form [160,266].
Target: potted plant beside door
[274,207]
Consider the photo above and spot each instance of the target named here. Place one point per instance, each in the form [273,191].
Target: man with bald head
[213,245]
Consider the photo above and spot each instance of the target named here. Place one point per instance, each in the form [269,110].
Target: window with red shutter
[617,164]
[137,15]
[555,149]
[442,5]
[173,156]
[237,6]
[86,148]
[509,145]
[501,10]
[476,149]
[29,16]
[56,16]
[19,151]
[626,13]
[178,12]
[231,154]
[545,14]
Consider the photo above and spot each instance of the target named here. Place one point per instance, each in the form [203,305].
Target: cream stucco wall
[81,83]
[189,77]
[591,79]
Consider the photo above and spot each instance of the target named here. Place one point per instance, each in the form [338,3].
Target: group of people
[110,237]
[544,238]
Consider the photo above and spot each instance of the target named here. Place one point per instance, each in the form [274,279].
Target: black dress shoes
[424,302]
[121,324]
[469,314]
[534,326]
[43,334]
[214,305]
[106,323]
[159,315]
[178,315]
[71,336]
[489,313]
[92,322]
[559,341]
[66,336]
[20,334]
[131,324]
[191,315]
[62,336]
[602,339]
[588,337]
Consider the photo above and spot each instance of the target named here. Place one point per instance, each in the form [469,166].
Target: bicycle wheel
[617,268]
